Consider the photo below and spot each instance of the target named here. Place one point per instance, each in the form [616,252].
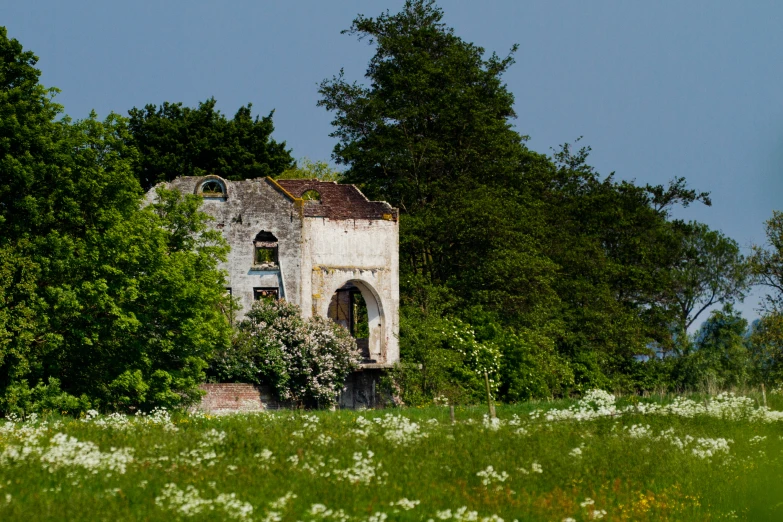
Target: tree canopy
[99,298]
[523,246]
[182,141]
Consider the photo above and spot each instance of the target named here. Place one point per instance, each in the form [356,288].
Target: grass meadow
[601,458]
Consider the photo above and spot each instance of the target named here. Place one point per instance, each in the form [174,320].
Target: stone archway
[357,306]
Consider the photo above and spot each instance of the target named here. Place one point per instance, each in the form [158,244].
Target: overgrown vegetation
[572,277]
[305,361]
[102,303]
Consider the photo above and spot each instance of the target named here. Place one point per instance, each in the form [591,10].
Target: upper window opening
[311,195]
[212,188]
[265,236]
[265,251]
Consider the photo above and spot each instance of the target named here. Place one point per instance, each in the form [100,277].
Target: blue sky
[657,89]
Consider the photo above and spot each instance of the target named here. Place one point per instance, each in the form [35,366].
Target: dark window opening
[348,309]
[212,188]
[266,236]
[265,250]
[265,293]
[311,195]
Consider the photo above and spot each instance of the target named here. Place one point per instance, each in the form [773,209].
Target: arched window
[212,188]
[356,307]
[265,251]
[311,195]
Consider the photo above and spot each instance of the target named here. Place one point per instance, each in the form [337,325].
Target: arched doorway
[356,307]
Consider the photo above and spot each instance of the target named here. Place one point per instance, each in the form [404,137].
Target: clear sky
[657,89]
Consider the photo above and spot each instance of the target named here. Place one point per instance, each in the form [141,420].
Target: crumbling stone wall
[249,207]
[322,245]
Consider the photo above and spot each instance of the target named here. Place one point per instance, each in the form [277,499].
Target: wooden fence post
[489,397]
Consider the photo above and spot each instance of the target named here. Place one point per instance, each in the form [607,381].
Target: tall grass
[410,464]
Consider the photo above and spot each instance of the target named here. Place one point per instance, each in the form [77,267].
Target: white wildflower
[405,504]
[490,476]
[363,470]
[189,502]
[399,430]
[492,424]
[283,501]
[265,455]
[67,451]
[706,448]
[637,431]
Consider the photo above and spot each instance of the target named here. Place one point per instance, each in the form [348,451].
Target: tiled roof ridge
[338,200]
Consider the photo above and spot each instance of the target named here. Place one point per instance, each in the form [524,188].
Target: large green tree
[540,247]
[616,249]
[720,358]
[182,141]
[98,297]
[435,116]
[711,271]
[766,263]
[432,135]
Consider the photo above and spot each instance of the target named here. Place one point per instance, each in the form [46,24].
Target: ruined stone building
[321,245]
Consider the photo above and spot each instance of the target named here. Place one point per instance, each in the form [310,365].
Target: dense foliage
[570,275]
[305,361]
[181,141]
[99,299]
[307,169]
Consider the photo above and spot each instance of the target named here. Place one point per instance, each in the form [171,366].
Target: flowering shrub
[444,360]
[305,361]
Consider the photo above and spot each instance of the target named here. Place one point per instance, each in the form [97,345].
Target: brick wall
[224,397]
[361,391]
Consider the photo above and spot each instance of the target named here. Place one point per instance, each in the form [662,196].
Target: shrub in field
[443,358]
[305,361]
[531,367]
[19,399]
